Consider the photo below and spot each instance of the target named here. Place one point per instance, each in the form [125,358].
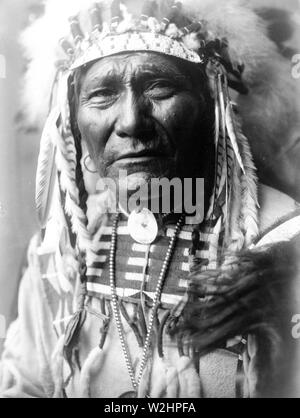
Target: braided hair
[83,194]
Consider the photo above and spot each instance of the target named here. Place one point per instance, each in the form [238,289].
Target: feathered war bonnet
[227,38]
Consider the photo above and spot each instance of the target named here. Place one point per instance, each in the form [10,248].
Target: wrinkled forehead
[128,66]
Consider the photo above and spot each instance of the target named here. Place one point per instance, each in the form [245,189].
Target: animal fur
[257,294]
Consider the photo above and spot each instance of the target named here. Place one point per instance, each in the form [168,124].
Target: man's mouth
[140,157]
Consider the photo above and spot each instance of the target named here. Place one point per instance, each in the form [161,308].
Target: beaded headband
[116,30]
[123,32]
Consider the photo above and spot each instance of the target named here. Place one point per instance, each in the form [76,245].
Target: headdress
[228,39]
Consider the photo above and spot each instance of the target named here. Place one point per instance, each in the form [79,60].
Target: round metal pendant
[142,226]
[129,394]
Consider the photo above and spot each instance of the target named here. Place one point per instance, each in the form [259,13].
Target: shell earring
[86,166]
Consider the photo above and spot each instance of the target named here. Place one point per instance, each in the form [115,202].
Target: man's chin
[132,178]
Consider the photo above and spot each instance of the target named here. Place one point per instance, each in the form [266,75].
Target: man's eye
[161,90]
[102,94]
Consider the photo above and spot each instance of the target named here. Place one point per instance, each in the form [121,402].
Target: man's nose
[132,115]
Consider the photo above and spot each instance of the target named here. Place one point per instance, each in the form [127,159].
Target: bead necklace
[156,301]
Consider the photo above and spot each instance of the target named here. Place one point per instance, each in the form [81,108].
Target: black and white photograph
[150,201]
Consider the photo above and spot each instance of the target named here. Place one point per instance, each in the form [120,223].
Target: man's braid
[83,195]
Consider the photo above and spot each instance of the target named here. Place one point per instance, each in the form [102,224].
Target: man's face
[142,112]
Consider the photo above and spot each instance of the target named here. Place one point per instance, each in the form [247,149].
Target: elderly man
[122,301]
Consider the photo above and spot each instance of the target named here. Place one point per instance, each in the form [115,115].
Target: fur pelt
[256,294]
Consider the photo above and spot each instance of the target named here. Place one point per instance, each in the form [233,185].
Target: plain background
[18,153]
